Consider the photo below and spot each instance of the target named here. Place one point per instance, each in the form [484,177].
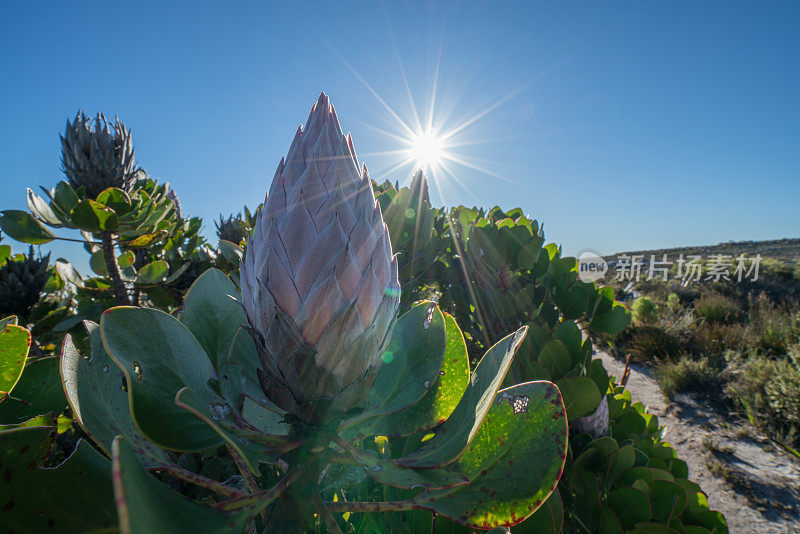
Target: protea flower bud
[233,229]
[100,158]
[21,284]
[319,280]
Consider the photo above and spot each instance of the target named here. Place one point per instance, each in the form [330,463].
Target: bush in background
[718,308]
[645,311]
[688,373]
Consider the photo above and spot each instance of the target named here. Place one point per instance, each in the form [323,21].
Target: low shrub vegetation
[738,343]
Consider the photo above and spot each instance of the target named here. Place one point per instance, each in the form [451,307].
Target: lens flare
[427,149]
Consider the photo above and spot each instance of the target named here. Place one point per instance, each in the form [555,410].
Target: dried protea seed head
[233,229]
[319,280]
[98,158]
[21,283]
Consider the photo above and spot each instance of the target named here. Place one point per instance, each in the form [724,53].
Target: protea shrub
[319,280]
[299,382]
[98,158]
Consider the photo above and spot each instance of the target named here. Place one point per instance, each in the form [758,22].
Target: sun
[427,149]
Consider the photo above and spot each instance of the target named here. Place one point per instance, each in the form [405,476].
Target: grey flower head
[319,279]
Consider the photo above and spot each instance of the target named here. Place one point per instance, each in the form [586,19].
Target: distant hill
[787,250]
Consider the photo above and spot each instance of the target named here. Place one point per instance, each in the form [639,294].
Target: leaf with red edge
[513,463]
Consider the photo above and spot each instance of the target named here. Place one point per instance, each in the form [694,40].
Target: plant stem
[121,297]
[252,486]
[203,482]
[342,459]
[323,511]
[391,506]
[82,241]
[262,498]
[349,449]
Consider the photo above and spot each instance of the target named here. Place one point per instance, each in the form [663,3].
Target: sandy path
[755,484]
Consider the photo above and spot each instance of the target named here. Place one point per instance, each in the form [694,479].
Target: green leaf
[212,315]
[38,392]
[14,344]
[232,252]
[612,321]
[177,273]
[5,252]
[159,356]
[581,395]
[100,405]
[669,500]
[556,358]
[630,505]
[609,523]
[513,463]
[455,434]
[98,263]
[65,197]
[237,371]
[411,362]
[22,226]
[93,217]
[547,519]
[126,259]
[153,273]
[74,497]
[649,527]
[146,505]
[144,240]
[389,474]
[116,199]
[440,400]
[599,374]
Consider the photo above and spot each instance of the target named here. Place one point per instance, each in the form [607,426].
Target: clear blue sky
[620,125]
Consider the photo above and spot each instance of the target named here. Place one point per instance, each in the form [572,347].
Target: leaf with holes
[455,434]
[76,496]
[14,344]
[513,463]
[159,356]
[146,505]
[411,363]
[94,388]
[440,400]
